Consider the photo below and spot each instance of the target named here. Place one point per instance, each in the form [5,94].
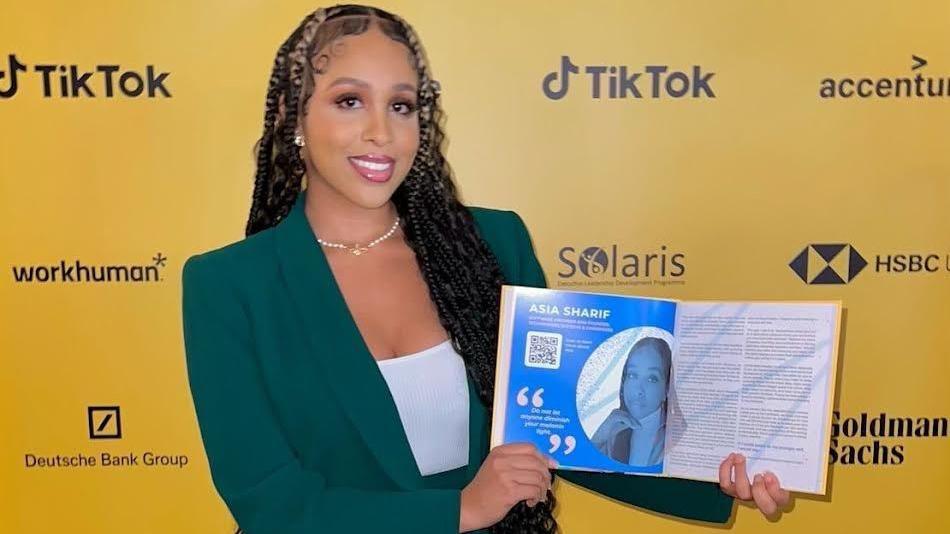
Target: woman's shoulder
[503,230]
[248,254]
[500,228]
[507,236]
[494,220]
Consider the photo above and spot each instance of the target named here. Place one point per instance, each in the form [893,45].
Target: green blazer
[300,430]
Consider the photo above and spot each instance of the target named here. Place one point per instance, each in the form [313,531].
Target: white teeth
[372,166]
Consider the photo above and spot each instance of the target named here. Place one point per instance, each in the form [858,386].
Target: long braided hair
[462,274]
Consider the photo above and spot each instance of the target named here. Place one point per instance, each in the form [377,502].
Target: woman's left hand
[765,488]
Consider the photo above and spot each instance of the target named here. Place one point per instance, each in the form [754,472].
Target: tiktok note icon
[15,67]
[567,68]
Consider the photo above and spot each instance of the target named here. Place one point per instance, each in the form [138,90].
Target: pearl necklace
[358,250]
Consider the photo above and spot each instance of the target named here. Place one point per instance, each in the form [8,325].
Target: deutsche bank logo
[834,263]
[105,422]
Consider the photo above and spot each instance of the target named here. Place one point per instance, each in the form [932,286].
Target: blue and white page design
[588,377]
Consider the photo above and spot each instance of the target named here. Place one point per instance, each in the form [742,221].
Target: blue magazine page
[585,377]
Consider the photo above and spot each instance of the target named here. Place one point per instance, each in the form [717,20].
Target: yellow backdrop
[761,128]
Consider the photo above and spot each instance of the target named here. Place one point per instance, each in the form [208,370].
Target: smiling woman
[342,356]
[361,118]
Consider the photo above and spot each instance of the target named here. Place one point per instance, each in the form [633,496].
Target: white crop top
[430,390]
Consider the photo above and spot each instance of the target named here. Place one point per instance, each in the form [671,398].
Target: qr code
[543,349]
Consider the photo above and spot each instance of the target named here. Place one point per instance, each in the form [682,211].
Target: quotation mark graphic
[569,444]
[536,399]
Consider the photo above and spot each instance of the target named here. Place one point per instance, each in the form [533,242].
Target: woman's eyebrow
[360,83]
[404,87]
[345,80]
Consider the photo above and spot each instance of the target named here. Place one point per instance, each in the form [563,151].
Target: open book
[668,388]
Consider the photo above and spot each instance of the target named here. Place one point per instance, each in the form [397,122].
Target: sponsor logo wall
[734,150]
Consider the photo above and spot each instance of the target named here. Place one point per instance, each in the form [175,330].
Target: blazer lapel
[339,348]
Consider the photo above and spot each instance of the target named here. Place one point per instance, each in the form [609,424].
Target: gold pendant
[358,250]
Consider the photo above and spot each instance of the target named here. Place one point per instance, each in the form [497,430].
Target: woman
[634,433]
[288,332]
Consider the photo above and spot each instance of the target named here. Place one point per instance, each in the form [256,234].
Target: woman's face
[645,379]
[361,128]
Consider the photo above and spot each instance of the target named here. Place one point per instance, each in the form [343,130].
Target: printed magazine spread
[668,388]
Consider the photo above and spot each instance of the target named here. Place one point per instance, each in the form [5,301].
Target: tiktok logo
[567,68]
[15,67]
[623,81]
[75,81]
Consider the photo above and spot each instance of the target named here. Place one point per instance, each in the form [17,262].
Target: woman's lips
[377,169]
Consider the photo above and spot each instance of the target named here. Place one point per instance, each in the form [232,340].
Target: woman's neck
[335,219]
[654,420]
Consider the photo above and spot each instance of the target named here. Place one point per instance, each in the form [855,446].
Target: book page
[753,378]
[585,377]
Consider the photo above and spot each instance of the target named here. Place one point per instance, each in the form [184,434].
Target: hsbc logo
[840,263]
[828,263]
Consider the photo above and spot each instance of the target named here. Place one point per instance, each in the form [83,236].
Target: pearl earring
[298,140]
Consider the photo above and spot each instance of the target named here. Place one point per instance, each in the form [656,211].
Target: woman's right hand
[511,473]
[616,421]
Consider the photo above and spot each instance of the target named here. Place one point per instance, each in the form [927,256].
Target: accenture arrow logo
[915,83]
[828,264]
